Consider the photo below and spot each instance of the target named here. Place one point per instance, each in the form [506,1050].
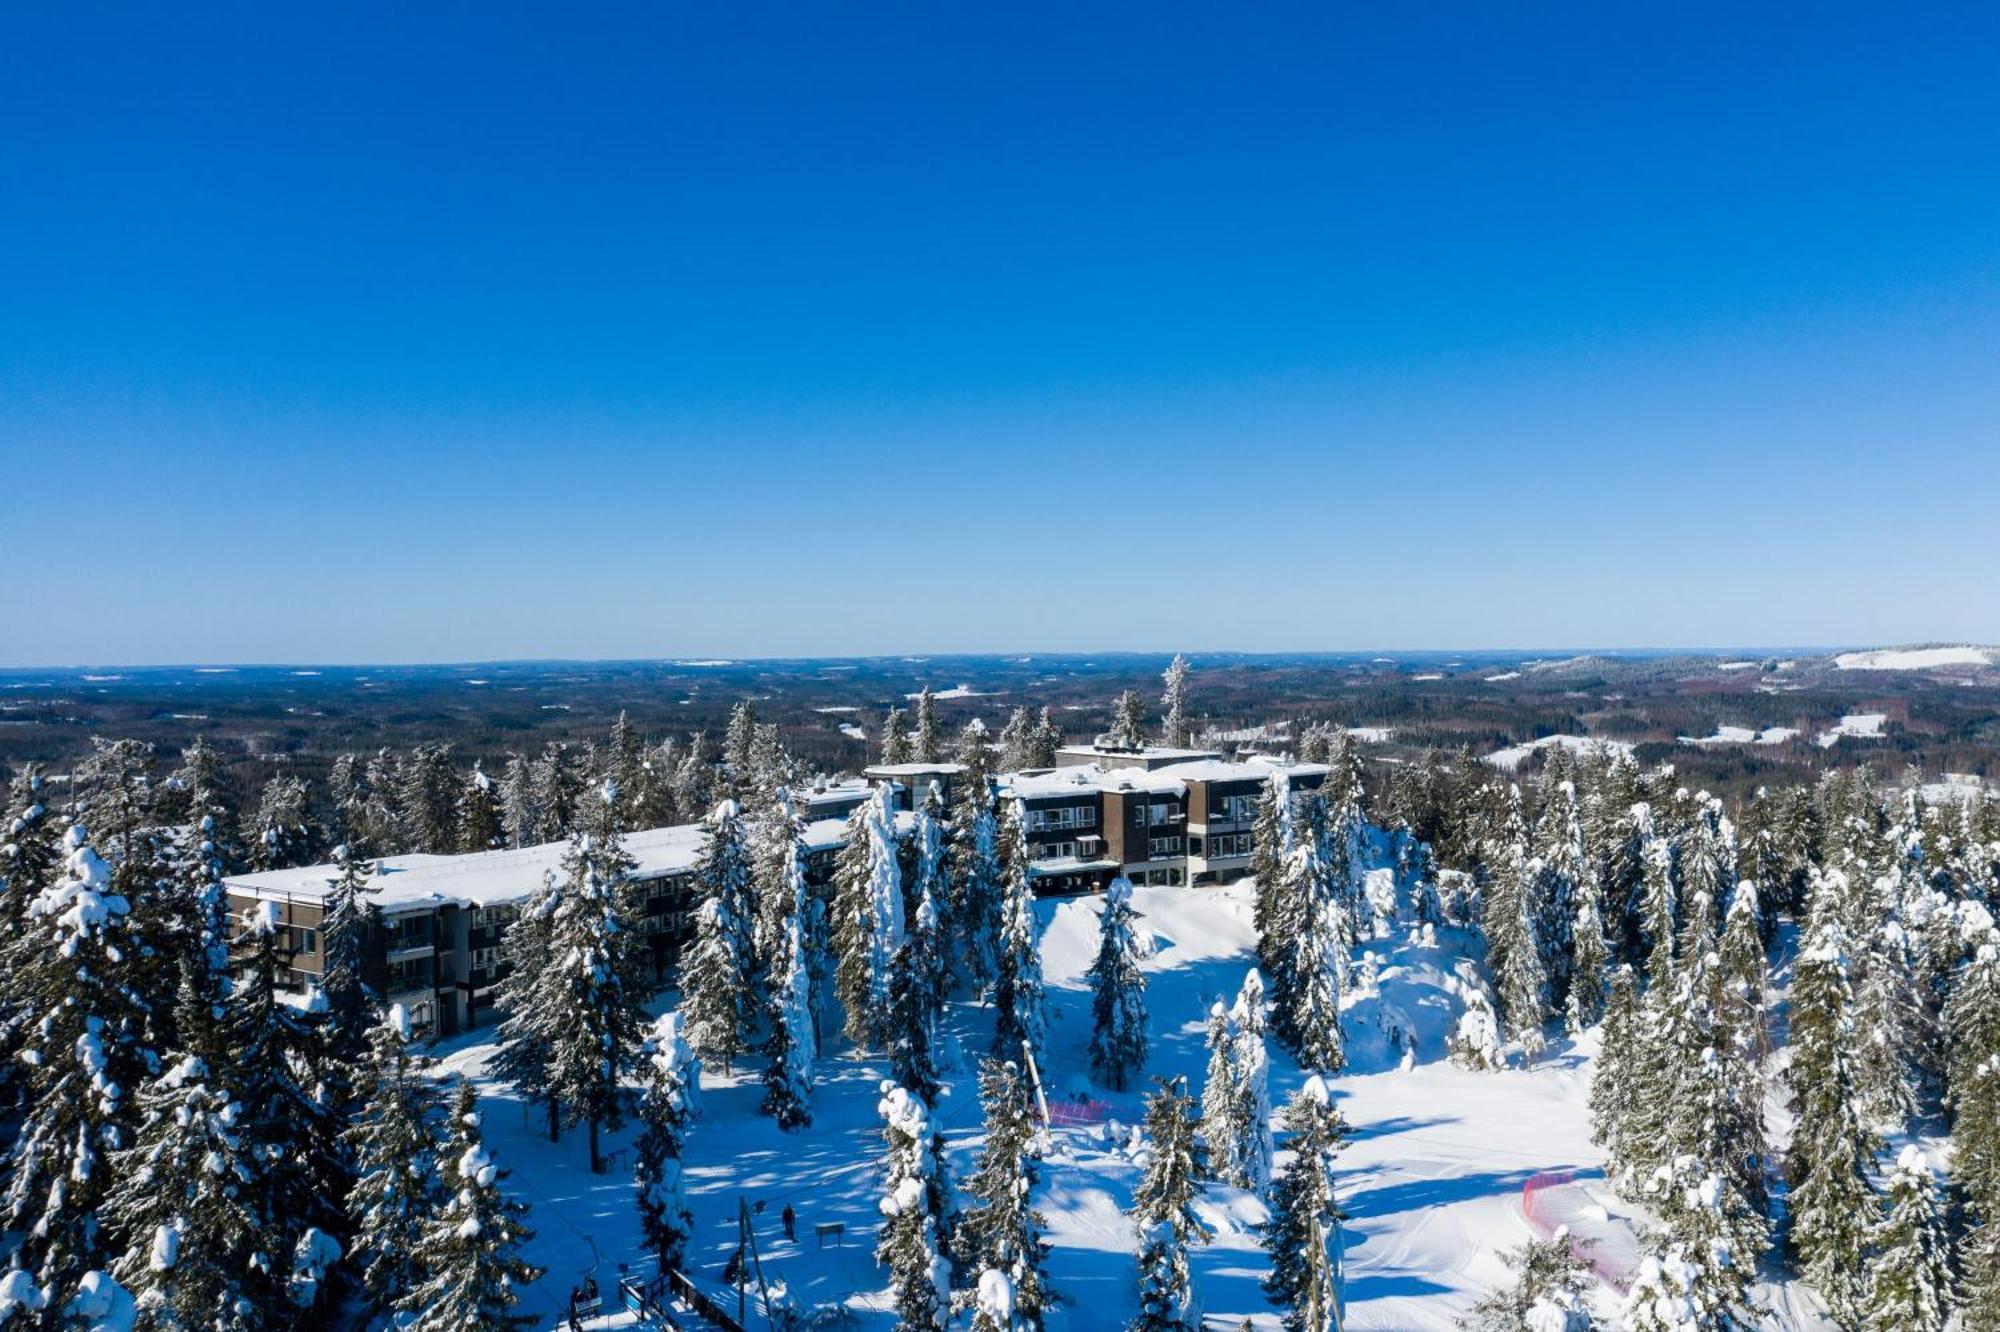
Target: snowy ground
[1433,1176]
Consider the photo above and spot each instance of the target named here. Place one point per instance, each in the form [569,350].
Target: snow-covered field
[1512,756]
[1854,726]
[1913,659]
[1433,1175]
[1744,735]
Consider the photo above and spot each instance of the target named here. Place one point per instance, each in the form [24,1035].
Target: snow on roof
[1088,778]
[1145,751]
[480,879]
[1254,768]
[914,769]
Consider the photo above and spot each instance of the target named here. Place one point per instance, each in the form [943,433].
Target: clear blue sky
[352,332]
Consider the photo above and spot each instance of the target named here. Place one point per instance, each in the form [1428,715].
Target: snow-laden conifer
[1303,1236]
[869,919]
[668,1105]
[974,859]
[396,1186]
[1164,1214]
[1002,1231]
[1021,1014]
[793,1044]
[909,1242]
[1176,727]
[717,996]
[1117,992]
[1909,1283]
[468,1248]
[478,815]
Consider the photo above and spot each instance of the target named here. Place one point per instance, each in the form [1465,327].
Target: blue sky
[368,333]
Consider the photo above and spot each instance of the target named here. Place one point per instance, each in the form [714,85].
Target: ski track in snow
[1431,1177]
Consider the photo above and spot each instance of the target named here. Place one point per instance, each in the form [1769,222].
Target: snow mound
[1511,757]
[1854,726]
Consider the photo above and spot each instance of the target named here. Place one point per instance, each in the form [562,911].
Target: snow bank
[1913,659]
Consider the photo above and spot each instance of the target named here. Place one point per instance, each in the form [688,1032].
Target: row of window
[1158,816]
[1160,848]
[1063,816]
[1222,845]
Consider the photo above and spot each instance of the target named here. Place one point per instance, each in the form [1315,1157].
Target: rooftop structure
[1102,753]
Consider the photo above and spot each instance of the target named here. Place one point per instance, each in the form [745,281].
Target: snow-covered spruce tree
[278,1067]
[1270,848]
[738,740]
[1252,1104]
[396,1182]
[895,737]
[524,1040]
[469,1247]
[280,834]
[993,1303]
[189,1211]
[1590,956]
[478,813]
[81,1044]
[427,800]
[869,922]
[793,1043]
[1163,1211]
[1175,727]
[1021,1012]
[1559,853]
[1305,1279]
[584,1009]
[1909,1285]
[929,901]
[1660,908]
[908,1243]
[1221,1091]
[910,1029]
[348,919]
[1128,721]
[1318,961]
[718,996]
[1017,741]
[1002,1231]
[1662,1295]
[1831,1197]
[1048,738]
[1475,1038]
[974,861]
[1889,1019]
[667,1110]
[556,789]
[1611,1087]
[1549,1294]
[518,816]
[1704,1221]
[1117,992]
[924,746]
[1517,952]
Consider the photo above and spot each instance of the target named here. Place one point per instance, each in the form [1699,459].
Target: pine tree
[1305,1279]
[1118,992]
[1831,1196]
[717,994]
[556,790]
[668,1108]
[82,1048]
[1909,1285]
[738,744]
[909,1242]
[1163,1211]
[345,924]
[479,814]
[929,895]
[1662,1296]
[525,1039]
[1270,849]
[1559,856]
[582,1005]
[1048,738]
[468,1248]
[1022,1016]
[1611,1083]
[793,1044]
[396,1187]
[1516,950]
[869,920]
[1003,1232]
[1178,731]
[1590,956]
[919,976]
